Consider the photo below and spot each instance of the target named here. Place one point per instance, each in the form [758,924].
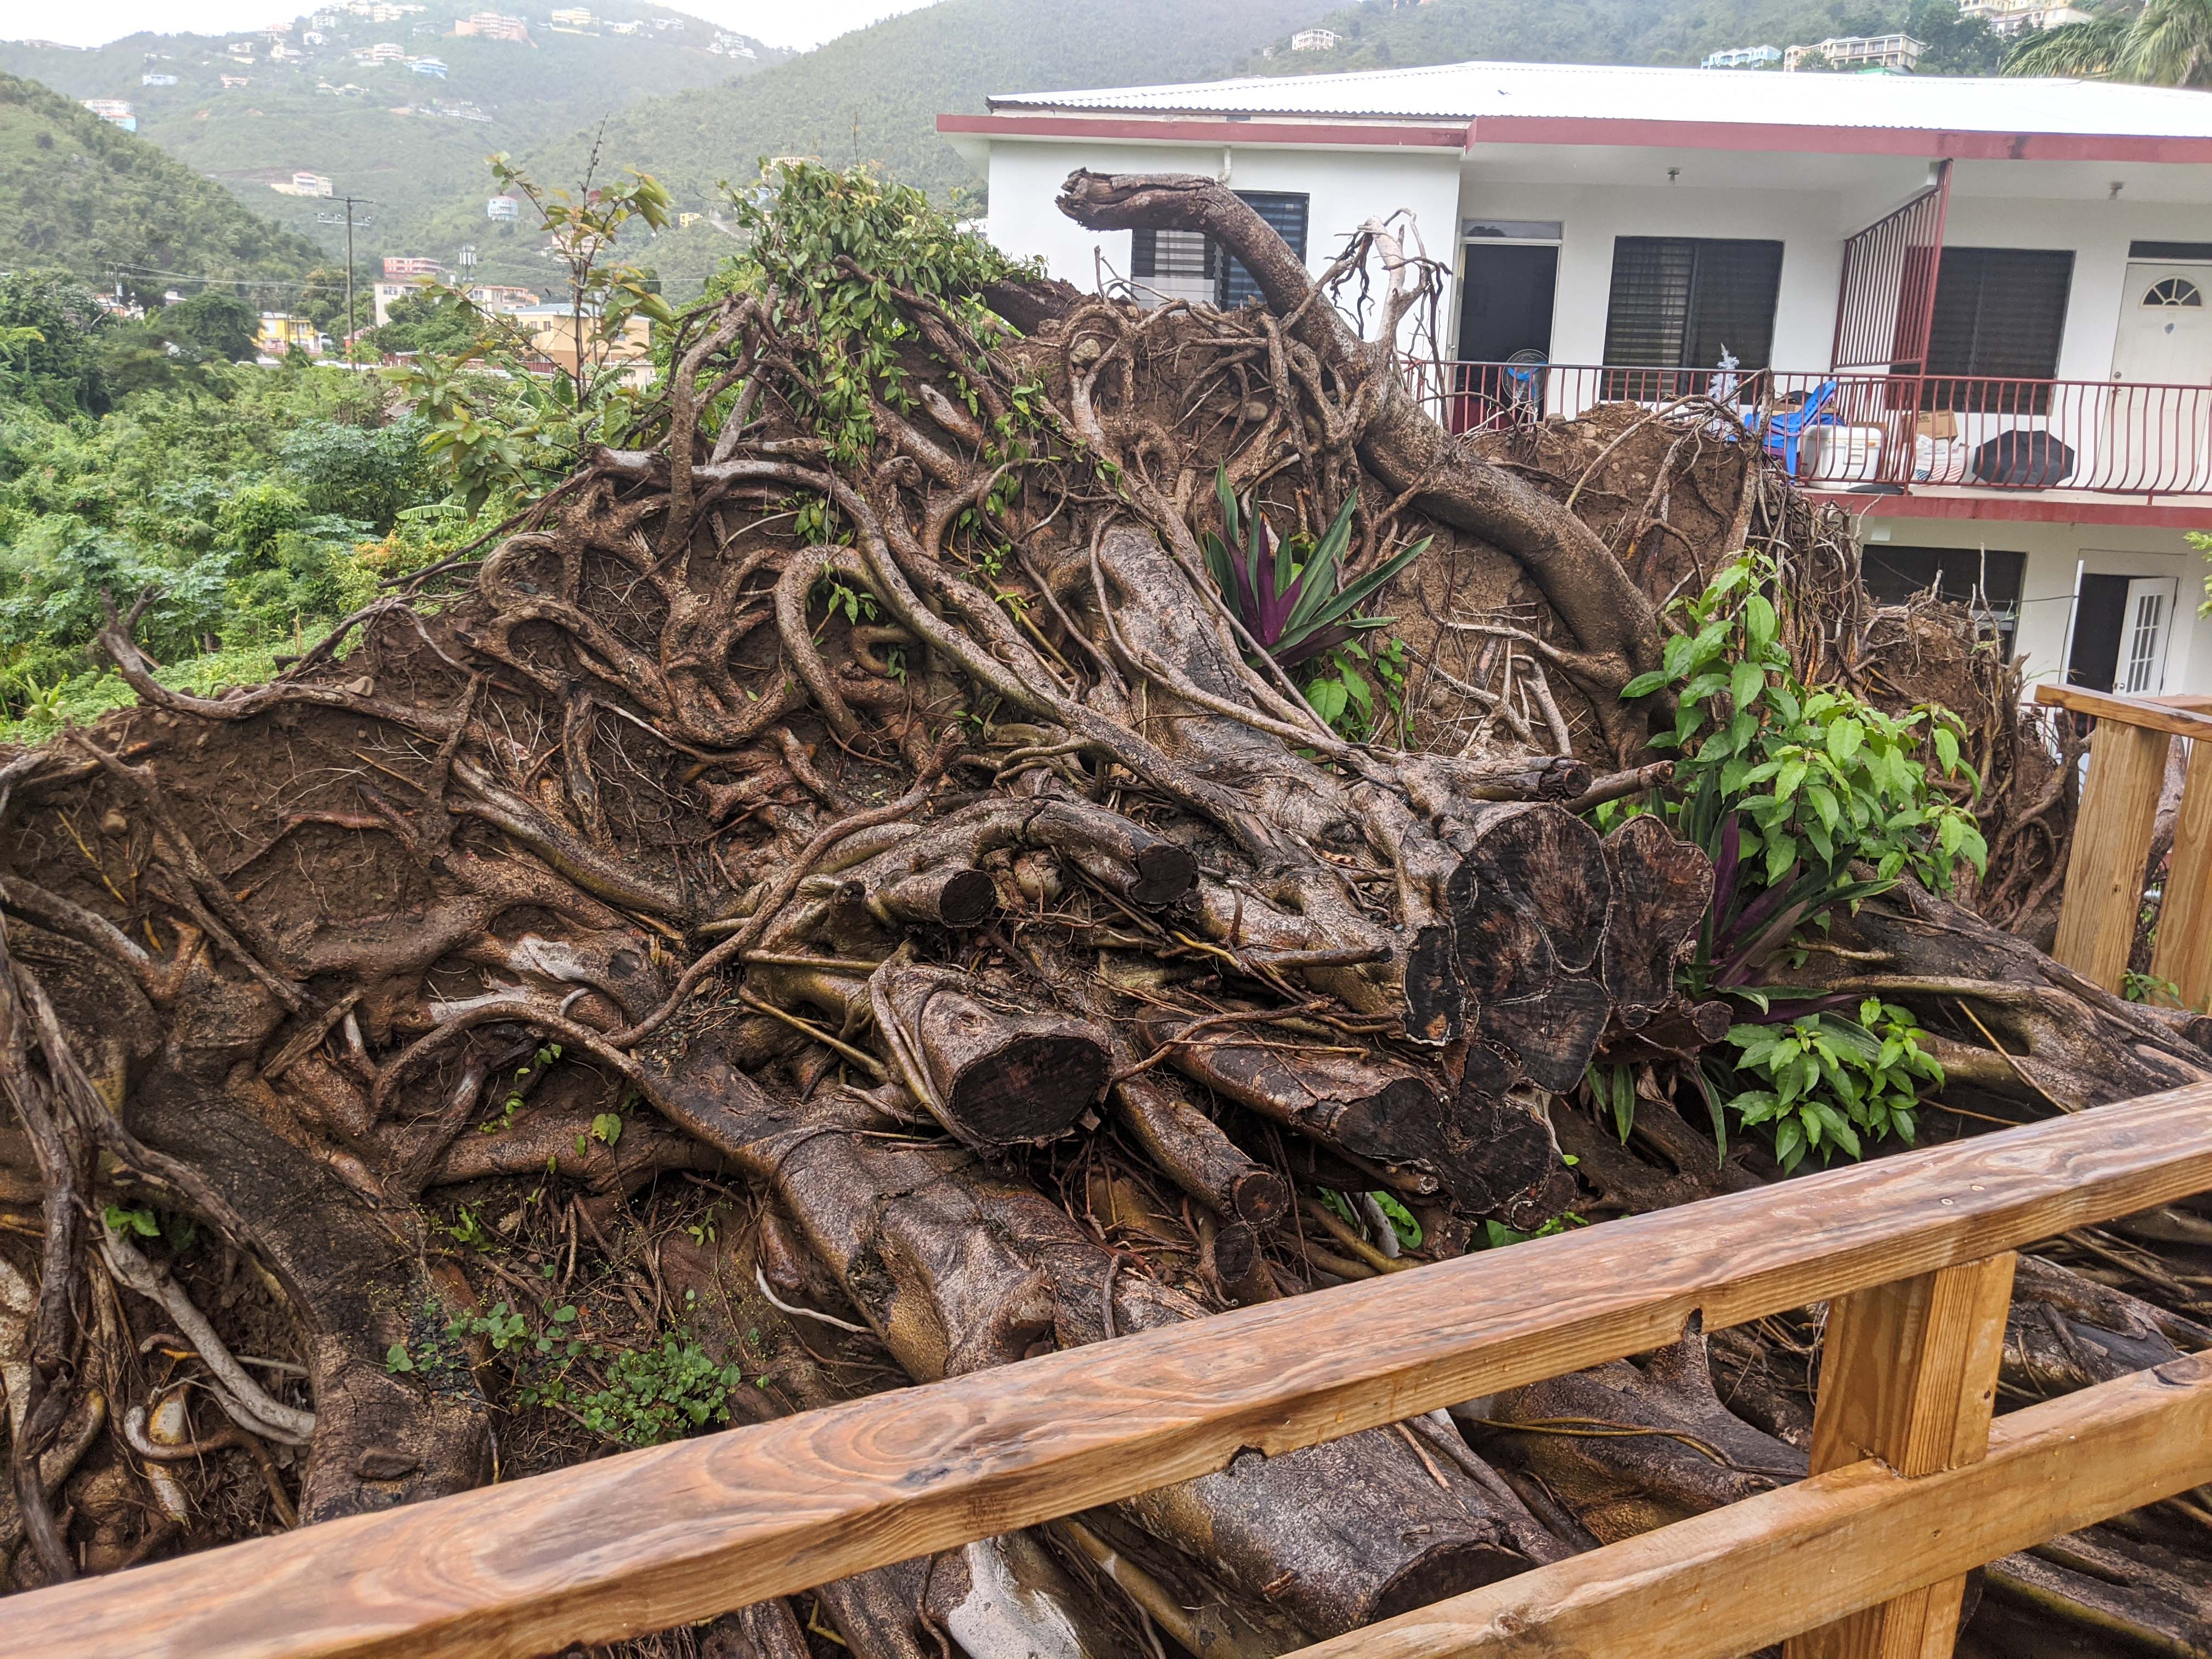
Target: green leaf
[607,1127]
[1844,737]
[1644,685]
[395,1359]
[1758,622]
[123,1223]
[1947,749]
[1745,683]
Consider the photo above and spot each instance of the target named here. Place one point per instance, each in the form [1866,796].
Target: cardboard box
[1942,425]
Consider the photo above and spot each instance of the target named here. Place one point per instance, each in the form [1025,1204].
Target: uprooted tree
[857,889]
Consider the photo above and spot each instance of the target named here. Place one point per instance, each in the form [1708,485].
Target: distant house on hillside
[1853,51]
[395,269]
[433,67]
[1974,314]
[732,46]
[493,26]
[507,209]
[1315,41]
[2014,17]
[1741,58]
[573,19]
[230,83]
[157,80]
[304,183]
[114,112]
[501,301]
[384,52]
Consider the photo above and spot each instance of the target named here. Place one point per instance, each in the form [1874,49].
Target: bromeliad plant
[1807,801]
[1284,591]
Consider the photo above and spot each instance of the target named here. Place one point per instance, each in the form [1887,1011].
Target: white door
[2158,428]
[2144,628]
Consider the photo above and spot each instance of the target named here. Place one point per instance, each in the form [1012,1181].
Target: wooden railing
[1911,1485]
[2105,873]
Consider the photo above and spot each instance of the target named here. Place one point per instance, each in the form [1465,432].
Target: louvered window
[1680,301]
[2000,315]
[1170,256]
[1286,214]
[1174,259]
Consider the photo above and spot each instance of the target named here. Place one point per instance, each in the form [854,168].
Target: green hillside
[81,195]
[1380,34]
[414,142]
[875,95]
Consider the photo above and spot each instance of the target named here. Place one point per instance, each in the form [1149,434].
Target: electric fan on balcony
[1524,385]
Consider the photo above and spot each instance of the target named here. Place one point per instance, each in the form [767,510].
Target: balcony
[1925,437]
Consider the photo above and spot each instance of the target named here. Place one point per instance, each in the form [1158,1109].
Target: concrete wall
[2054,552]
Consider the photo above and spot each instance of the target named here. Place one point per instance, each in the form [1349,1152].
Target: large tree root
[840,899]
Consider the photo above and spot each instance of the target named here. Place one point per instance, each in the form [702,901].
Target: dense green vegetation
[1379,34]
[414,144]
[262,503]
[78,193]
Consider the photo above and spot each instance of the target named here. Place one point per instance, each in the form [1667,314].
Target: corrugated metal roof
[1470,92]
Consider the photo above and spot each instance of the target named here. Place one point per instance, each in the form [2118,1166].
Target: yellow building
[281,333]
[552,332]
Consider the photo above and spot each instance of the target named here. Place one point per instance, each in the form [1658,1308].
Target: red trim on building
[1920,142]
[1207,132]
[2022,507]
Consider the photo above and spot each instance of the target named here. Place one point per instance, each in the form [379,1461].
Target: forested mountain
[1398,35]
[400,132]
[874,94]
[672,95]
[81,195]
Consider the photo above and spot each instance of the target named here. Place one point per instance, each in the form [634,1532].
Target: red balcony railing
[1875,431]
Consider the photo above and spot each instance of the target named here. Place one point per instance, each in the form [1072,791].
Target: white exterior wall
[2098,232]
[1592,215]
[2054,552]
[1347,188]
[1824,200]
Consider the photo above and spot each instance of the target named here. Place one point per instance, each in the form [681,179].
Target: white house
[1971,313]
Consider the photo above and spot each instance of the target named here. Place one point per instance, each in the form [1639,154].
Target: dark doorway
[2099,615]
[1505,295]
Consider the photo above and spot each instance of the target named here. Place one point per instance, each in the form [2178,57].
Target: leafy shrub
[1807,801]
[1786,787]
[1829,1079]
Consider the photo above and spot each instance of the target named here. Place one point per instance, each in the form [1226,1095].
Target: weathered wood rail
[1912,1486]
[2112,833]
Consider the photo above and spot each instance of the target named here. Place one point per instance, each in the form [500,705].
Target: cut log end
[1165,872]
[1033,1089]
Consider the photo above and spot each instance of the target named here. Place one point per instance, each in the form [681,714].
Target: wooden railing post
[2183,955]
[2112,844]
[2105,873]
[1909,1376]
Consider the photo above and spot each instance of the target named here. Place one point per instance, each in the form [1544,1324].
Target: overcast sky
[98,21]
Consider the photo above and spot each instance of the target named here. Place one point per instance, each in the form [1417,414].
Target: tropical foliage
[2161,43]
[1807,801]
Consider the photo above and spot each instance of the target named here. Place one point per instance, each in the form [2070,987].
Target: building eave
[2022,507]
[1208,130]
[971,134]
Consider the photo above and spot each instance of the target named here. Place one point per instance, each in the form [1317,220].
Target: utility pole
[350,221]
